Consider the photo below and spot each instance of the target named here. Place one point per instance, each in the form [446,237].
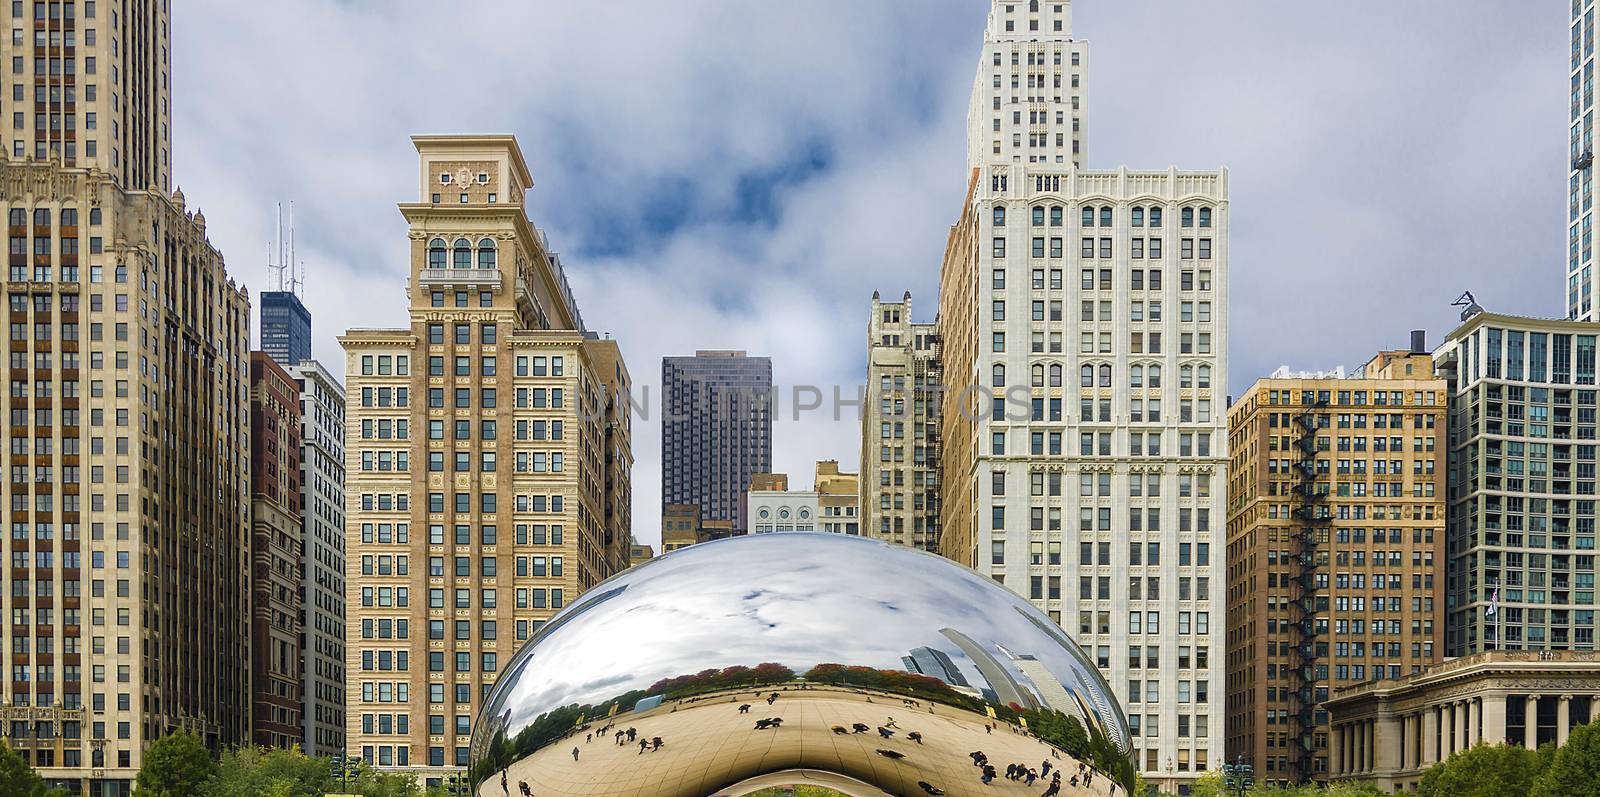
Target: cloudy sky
[727,174]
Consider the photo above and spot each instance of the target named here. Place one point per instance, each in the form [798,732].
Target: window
[436,253]
[463,253]
[485,253]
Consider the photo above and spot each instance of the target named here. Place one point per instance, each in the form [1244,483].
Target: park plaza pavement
[707,745]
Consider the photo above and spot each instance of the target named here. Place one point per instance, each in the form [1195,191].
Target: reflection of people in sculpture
[891,754]
[930,788]
[890,724]
[744,709]
[915,736]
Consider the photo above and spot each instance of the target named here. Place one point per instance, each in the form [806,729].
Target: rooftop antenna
[276,265]
[297,267]
[1467,301]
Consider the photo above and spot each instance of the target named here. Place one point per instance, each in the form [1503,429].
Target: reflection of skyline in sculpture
[1004,688]
[934,663]
[692,628]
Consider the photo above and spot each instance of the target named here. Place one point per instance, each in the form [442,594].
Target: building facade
[899,497]
[285,328]
[783,510]
[1522,503]
[276,545]
[716,431]
[838,498]
[1083,319]
[1388,733]
[1336,515]
[322,563]
[517,498]
[128,464]
[1581,276]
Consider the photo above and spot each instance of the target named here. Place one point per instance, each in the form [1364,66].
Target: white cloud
[1393,154]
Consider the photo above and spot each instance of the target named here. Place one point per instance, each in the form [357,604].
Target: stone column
[1494,718]
[1431,732]
[1563,719]
[1447,731]
[1531,737]
[1388,743]
[1474,716]
[1413,727]
[1463,725]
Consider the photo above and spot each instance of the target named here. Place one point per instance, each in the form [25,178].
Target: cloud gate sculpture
[784,659]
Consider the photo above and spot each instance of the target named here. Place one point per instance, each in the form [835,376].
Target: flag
[1494,603]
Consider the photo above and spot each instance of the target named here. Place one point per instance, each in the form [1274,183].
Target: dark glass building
[285,328]
[716,431]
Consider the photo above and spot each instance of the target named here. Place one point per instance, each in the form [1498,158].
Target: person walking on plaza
[655,743]
[890,724]
[644,744]
[574,754]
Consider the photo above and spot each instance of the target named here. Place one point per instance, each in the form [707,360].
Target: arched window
[1055,374]
[1055,215]
[1205,217]
[1186,217]
[1155,376]
[1185,375]
[463,253]
[41,217]
[1155,216]
[1038,375]
[1137,217]
[1086,376]
[1038,215]
[1205,376]
[69,217]
[1088,216]
[1136,376]
[998,375]
[485,253]
[999,216]
[1105,375]
[1105,216]
[1033,6]
[436,253]
[18,217]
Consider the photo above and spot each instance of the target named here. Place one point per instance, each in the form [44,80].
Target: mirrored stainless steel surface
[881,665]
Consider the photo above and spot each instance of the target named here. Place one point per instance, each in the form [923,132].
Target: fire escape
[1310,514]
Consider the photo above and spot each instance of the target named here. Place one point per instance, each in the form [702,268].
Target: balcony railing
[470,278]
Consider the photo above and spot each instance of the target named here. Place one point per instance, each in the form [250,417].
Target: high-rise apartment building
[900,428]
[285,328]
[322,588]
[487,463]
[1581,276]
[1521,531]
[128,464]
[96,91]
[716,431]
[275,549]
[1336,515]
[1083,325]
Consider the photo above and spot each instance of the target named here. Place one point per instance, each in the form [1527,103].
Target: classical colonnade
[1414,740]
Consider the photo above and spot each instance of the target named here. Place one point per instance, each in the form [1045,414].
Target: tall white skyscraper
[1580,182]
[1090,307]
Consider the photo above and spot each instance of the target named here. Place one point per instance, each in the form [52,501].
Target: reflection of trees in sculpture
[713,680]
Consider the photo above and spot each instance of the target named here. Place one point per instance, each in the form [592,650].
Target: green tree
[1483,771]
[17,779]
[269,772]
[174,766]
[1574,770]
[372,783]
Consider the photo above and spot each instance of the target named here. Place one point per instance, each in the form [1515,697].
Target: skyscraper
[518,498]
[1522,492]
[1083,328]
[899,428]
[285,328]
[275,550]
[128,474]
[1336,530]
[322,560]
[716,431]
[1581,276]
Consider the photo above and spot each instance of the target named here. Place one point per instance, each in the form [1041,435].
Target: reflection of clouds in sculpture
[798,600]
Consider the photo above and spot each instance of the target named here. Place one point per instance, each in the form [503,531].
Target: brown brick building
[1335,534]
[276,543]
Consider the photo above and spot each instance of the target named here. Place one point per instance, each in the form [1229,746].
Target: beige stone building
[128,463]
[1389,732]
[899,495]
[829,506]
[1336,518]
[488,461]
[838,498]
